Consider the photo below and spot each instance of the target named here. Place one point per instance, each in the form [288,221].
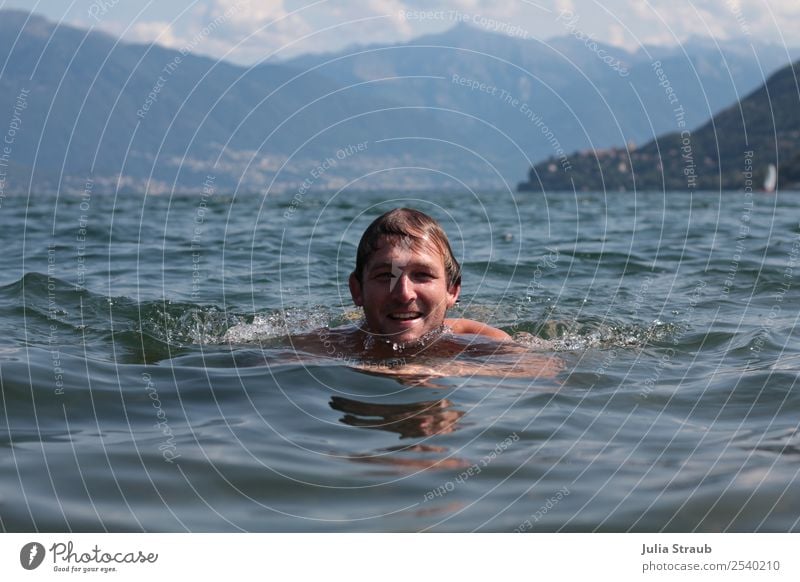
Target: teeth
[405,315]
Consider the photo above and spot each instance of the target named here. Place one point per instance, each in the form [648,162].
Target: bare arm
[477,328]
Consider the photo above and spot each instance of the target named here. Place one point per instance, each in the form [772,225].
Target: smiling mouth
[405,316]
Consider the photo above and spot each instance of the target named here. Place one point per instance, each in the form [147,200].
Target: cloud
[564,6]
[777,15]
[248,31]
[247,11]
[156,31]
[245,31]
[667,21]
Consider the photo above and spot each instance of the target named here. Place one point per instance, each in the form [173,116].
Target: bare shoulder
[477,328]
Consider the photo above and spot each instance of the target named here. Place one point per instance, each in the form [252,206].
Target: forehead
[407,249]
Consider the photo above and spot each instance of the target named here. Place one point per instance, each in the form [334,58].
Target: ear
[452,294]
[355,290]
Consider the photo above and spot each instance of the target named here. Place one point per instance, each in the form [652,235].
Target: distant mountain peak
[464,32]
[31,21]
[15,13]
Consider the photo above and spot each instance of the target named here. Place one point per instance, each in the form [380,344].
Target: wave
[159,327]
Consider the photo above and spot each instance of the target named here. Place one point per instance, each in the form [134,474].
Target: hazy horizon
[245,32]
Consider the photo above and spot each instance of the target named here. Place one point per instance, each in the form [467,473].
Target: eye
[424,276]
[384,276]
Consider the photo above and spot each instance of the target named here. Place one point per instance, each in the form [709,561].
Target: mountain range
[465,107]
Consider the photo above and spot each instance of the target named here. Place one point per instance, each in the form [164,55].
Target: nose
[404,289]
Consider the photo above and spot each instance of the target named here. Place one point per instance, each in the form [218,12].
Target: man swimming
[406,278]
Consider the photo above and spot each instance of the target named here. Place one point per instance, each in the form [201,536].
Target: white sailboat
[771,179]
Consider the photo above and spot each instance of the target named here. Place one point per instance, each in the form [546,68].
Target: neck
[382,346]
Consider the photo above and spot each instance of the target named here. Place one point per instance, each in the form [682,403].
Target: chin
[409,335]
[404,334]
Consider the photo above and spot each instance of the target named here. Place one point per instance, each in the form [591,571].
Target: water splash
[282,323]
[575,335]
[181,324]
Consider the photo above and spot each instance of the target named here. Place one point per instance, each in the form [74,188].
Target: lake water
[127,407]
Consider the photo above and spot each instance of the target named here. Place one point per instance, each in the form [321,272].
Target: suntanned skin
[405,294]
[468,326]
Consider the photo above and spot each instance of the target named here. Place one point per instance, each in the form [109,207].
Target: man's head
[406,276]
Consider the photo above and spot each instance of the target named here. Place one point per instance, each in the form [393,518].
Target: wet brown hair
[413,226]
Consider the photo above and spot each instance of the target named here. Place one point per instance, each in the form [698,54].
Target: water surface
[145,386]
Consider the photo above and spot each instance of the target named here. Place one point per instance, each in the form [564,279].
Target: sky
[251,31]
